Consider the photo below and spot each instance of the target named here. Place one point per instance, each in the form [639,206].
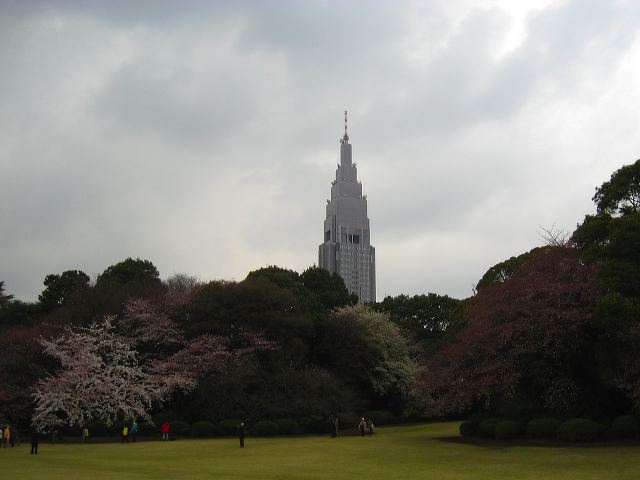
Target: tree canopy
[129,271]
[60,289]
[621,194]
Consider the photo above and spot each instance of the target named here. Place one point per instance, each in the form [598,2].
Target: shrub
[579,430]
[469,428]
[379,417]
[178,427]
[202,428]
[147,430]
[623,427]
[98,428]
[314,424]
[506,430]
[486,427]
[347,421]
[229,426]
[287,426]
[543,427]
[265,428]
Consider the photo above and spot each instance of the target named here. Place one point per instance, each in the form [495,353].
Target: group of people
[130,432]
[366,427]
[9,436]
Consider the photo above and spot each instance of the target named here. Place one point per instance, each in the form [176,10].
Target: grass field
[394,453]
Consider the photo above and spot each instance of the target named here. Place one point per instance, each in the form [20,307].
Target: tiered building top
[347,245]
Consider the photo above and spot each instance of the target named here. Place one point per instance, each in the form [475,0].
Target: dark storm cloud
[203,136]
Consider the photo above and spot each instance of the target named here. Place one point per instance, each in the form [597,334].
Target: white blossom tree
[99,378]
[110,373]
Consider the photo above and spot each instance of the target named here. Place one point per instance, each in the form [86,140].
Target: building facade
[347,247]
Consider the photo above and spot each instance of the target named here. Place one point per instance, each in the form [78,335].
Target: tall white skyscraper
[347,245]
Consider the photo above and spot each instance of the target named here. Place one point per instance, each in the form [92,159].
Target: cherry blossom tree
[523,339]
[100,378]
[122,367]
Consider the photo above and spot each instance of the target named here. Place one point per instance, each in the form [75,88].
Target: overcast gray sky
[203,136]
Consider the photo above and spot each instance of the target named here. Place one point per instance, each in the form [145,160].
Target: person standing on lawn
[35,441]
[241,434]
[165,429]
[362,426]
[134,431]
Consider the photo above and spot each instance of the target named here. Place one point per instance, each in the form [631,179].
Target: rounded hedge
[229,426]
[469,428]
[579,430]
[202,428]
[624,427]
[314,424]
[347,420]
[287,426]
[486,428]
[543,427]
[506,430]
[379,417]
[178,427]
[147,430]
[265,428]
[98,428]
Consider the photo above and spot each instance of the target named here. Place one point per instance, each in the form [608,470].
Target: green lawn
[394,453]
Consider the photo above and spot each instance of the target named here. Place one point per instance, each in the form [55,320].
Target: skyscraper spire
[346,249]
[346,137]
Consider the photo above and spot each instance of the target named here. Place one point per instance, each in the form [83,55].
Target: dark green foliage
[379,417]
[624,427]
[202,429]
[486,427]
[315,424]
[61,289]
[579,430]
[327,290]
[4,299]
[347,421]
[506,430]
[287,426]
[503,271]
[179,428]
[19,314]
[283,278]
[130,271]
[369,352]
[621,194]
[469,428]
[425,318]
[229,426]
[265,428]
[148,430]
[98,428]
[542,427]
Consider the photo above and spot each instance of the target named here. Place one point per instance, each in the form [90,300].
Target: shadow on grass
[535,442]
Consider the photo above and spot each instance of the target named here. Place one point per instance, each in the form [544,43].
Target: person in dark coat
[35,441]
[241,434]
[336,423]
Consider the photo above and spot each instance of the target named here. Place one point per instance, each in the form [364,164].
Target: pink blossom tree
[122,367]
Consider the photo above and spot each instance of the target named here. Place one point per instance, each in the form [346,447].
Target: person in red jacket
[165,429]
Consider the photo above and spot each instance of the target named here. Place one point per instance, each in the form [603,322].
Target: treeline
[551,333]
[277,345]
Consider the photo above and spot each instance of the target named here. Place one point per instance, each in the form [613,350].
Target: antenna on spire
[345,123]
[346,137]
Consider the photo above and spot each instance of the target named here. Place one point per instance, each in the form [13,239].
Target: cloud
[205,139]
